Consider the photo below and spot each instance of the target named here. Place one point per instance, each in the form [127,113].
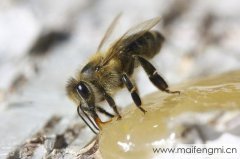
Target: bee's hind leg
[132,89]
[154,77]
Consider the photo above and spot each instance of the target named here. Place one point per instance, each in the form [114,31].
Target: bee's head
[79,91]
[82,93]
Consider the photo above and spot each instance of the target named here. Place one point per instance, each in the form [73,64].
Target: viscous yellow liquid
[136,133]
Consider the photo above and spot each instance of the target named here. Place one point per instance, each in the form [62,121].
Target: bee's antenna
[78,110]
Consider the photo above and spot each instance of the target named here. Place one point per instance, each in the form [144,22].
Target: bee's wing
[137,31]
[109,32]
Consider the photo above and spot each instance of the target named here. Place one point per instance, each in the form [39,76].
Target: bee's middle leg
[132,89]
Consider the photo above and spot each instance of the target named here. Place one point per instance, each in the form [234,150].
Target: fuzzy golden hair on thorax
[71,90]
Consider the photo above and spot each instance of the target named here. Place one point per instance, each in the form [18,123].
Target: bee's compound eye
[83,90]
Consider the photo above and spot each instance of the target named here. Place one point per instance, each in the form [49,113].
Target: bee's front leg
[103,111]
[112,104]
[96,118]
[110,101]
[99,122]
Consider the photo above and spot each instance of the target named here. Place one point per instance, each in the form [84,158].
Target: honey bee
[108,72]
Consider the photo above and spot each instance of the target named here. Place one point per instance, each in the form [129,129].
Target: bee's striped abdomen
[147,45]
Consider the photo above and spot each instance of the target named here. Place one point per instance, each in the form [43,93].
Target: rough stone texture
[42,43]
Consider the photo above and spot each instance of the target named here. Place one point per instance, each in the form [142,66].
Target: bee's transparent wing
[142,27]
[131,35]
[109,31]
